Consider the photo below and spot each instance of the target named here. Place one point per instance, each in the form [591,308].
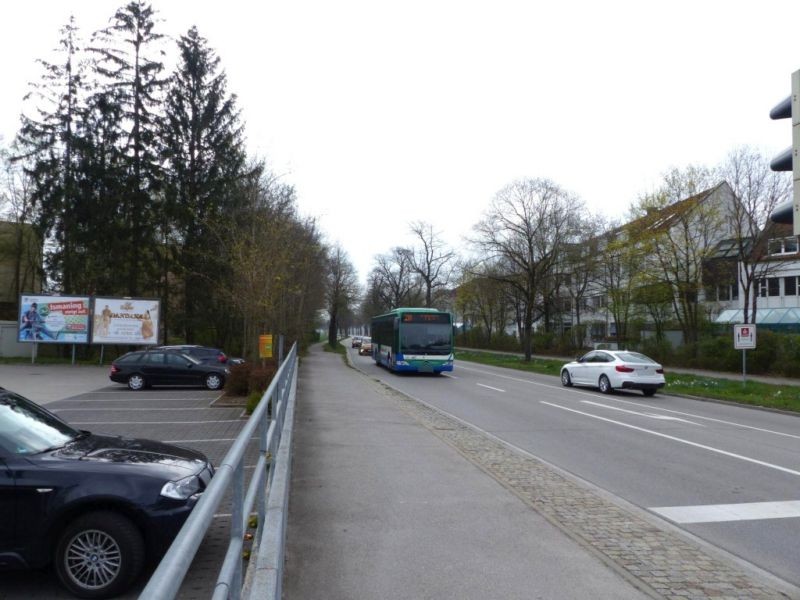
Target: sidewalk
[382,508]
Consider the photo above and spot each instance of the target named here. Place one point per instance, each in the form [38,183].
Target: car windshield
[635,357]
[26,428]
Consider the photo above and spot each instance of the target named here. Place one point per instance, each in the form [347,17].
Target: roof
[662,219]
[764,316]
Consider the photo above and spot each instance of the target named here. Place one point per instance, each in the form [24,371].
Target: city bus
[413,339]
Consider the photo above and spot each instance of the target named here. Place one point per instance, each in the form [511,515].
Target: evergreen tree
[203,151]
[47,141]
[130,77]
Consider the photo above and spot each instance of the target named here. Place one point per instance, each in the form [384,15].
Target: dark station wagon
[145,368]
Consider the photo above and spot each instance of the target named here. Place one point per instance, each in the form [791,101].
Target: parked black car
[202,353]
[159,366]
[95,506]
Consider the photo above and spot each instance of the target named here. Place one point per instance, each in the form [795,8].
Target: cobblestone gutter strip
[662,560]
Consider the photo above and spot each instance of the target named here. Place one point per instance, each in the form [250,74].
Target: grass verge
[783,397]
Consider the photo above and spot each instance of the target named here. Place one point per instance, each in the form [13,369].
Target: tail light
[114,369]
[623,369]
[222,358]
[660,371]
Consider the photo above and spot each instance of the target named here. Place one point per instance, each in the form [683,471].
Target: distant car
[204,354]
[609,370]
[161,366]
[366,346]
[96,507]
[356,341]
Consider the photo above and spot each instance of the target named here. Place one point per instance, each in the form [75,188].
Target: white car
[614,369]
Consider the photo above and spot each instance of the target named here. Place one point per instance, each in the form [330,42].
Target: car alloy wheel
[213,381]
[565,379]
[604,384]
[99,555]
[136,382]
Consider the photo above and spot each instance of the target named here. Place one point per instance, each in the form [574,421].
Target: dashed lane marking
[488,387]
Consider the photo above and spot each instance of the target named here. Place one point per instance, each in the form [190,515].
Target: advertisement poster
[125,321]
[54,319]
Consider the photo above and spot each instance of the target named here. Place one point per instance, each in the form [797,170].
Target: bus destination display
[426,318]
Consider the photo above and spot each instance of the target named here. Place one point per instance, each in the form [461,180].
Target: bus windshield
[425,338]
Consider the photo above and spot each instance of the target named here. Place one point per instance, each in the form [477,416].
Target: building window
[783,245]
[724,292]
[790,286]
[769,287]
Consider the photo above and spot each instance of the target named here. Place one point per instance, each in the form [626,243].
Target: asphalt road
[728,474]
[184,416]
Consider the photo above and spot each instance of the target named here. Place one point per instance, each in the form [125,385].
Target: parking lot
[192,417]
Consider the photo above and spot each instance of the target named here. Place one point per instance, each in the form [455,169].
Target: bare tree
[392,279]
[482,299]
[431,260]
[341,290]
[525,229]
[758,190]
[19,243]
[676,236]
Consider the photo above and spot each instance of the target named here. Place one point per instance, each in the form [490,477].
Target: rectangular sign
[744,337]
[426,318]
[265,346]
[54,319]
[125,321]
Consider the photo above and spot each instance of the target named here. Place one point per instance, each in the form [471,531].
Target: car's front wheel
[213,381]
[565,379]
[99,555]
[136,382]
[604,384]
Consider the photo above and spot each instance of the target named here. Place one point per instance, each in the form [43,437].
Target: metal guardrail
[268,490]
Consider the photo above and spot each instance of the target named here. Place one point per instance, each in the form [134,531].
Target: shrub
[252,401]
[260,378]
[238,381]
[659,350]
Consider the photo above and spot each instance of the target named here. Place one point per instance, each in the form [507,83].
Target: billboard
[54,319]
[125,321]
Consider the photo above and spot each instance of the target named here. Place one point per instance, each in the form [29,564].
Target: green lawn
[785,397]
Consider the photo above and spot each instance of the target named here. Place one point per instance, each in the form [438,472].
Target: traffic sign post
[744,339]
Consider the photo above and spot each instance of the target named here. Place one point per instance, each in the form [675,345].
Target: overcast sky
[383,113]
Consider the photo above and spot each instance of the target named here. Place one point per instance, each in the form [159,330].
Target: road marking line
[147,409]
[206,440]
[153,422]
[491,388]
[721,513]
[116,399]
[642,414]
[678,412]
[680,440]
[449,376]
